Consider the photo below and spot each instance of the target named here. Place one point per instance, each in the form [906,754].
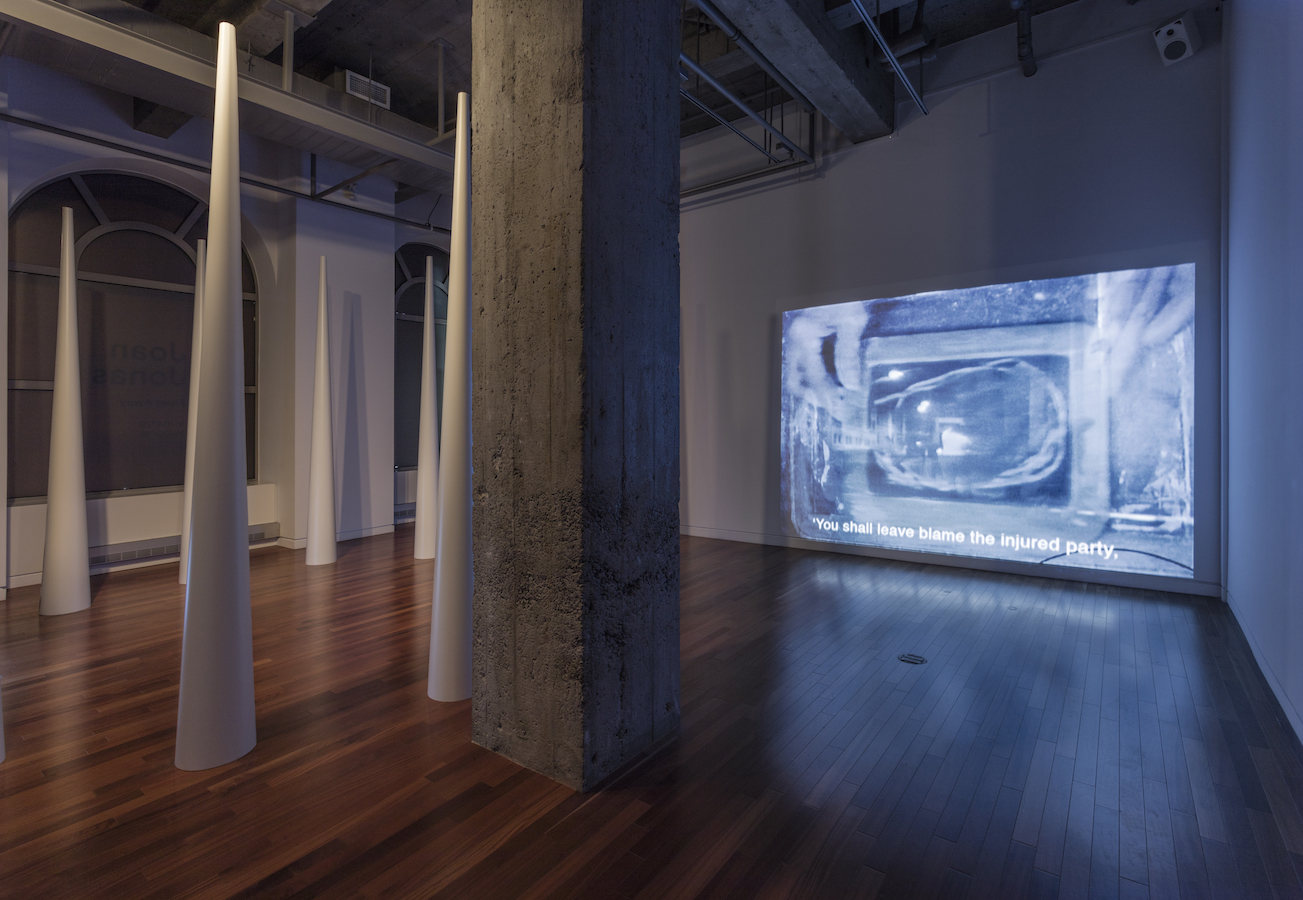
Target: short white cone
[321,466]
[65,575]
[427,454]
[215,719]
[196,341]
[450,631]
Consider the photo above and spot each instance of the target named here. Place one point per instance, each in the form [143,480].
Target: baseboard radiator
[161,548]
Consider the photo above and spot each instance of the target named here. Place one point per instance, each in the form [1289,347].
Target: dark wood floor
[1062,740]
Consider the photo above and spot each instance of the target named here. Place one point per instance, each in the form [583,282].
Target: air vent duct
[360,86]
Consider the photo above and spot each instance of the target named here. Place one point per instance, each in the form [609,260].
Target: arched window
[409,340]
[135,248]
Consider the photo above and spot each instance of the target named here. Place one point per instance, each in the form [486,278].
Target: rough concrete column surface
[575,319]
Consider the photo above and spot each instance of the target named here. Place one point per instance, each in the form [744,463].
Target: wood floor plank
[1192,873]
[1063,740]
[1054,821]
[1223,882]
[1074,875]
[1162,880]
[1018,872]
[1107,761]
[1104,854]
[1035,789]
[988,874]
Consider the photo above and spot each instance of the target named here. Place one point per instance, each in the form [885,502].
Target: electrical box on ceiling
[1178,39]
[360,86]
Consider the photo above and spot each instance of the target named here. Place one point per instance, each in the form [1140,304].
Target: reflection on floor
[1060,740]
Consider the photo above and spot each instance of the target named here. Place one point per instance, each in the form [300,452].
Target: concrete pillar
[427,452]
[321,465]
[192,413]
[576,389]
[215,721]
[65,572]
[450,615]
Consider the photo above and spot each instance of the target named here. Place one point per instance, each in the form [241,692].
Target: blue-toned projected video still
[1045,421]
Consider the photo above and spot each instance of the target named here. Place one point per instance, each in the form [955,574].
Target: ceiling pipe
[1025,55]
[726,123]
[196,167]
[907,42]
[737,101]
[733,34]
[886,49]
[287,53]
[914,39]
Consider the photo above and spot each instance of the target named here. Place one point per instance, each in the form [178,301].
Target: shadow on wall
[97,522]
[355,492]
[725,416]
[773,430]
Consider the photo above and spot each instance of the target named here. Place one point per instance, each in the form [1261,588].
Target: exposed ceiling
[166,66]
[393,41]
[397,42]
[942,22]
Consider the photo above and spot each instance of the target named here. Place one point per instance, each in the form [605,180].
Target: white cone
[427,454]
[192,418]
[215,719]
[321,466]
[450,618]
[65,575]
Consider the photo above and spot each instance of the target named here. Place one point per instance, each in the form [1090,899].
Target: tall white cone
[450,619]
[192,419]
[321,466]
[215,720]
[65,575]
[427,454]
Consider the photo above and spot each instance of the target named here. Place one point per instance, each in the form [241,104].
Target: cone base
[452,696]
[322,557]
[199,762]
[60,604]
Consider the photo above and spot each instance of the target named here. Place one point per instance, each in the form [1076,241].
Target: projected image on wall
[1045,421]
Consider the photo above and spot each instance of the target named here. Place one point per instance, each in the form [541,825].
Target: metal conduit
[726,123]
[891,57]
[733,34]
[1026,58]
[751,113]
[198,167]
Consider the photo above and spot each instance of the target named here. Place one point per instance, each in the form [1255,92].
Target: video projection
[1044,421]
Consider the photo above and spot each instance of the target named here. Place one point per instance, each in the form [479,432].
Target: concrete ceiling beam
[832,67]
[170,65]
[844,15]
[264,29]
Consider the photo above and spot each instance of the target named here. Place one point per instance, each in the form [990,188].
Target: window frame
[178,238]
[409,281]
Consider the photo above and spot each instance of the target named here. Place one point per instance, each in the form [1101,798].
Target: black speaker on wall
[1178,39]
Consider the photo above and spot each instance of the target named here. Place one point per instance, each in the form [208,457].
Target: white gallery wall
[1105,159]
[359,255]
[1264,373]
[284,237]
